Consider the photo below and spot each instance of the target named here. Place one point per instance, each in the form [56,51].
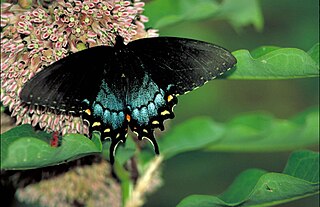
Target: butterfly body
[127,86]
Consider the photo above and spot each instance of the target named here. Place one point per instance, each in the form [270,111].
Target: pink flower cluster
[32,39]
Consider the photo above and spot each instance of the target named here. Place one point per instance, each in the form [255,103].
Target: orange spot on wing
[88,112]
[128,117]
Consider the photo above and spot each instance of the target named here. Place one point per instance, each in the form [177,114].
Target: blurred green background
[287,23]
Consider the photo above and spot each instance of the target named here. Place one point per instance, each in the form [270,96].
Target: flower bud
[25,4]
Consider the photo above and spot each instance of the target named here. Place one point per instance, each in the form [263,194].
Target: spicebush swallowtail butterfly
[134,85]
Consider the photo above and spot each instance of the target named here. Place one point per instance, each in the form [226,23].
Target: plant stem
[143,183]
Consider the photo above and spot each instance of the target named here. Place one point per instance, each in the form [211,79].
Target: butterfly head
[119,41]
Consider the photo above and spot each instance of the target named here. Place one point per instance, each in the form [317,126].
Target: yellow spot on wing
[96,124]
[155,122]
[165,112]
[107,130]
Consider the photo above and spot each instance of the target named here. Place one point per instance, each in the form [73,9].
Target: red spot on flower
[54,142]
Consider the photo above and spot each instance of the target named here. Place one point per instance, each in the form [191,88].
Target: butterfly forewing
[65,83]
[181,62]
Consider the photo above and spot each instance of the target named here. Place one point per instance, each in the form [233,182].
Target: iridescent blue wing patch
[107,113]
[148,107]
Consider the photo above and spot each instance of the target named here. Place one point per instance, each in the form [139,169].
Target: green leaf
[96,140]
[241,13]
[263,50]
[258,188]
[188,136]
[314,53]
[304,165]
[124,151]
[254,132]
[23,148]
[242,186]
[259,132]
[162,13]
[267,63]
[166,12]
[125,180]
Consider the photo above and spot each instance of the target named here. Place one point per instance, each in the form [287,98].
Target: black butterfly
[133,85]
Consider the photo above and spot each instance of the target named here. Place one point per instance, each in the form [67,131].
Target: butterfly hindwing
[107,113]
[149,106]
[183,63]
